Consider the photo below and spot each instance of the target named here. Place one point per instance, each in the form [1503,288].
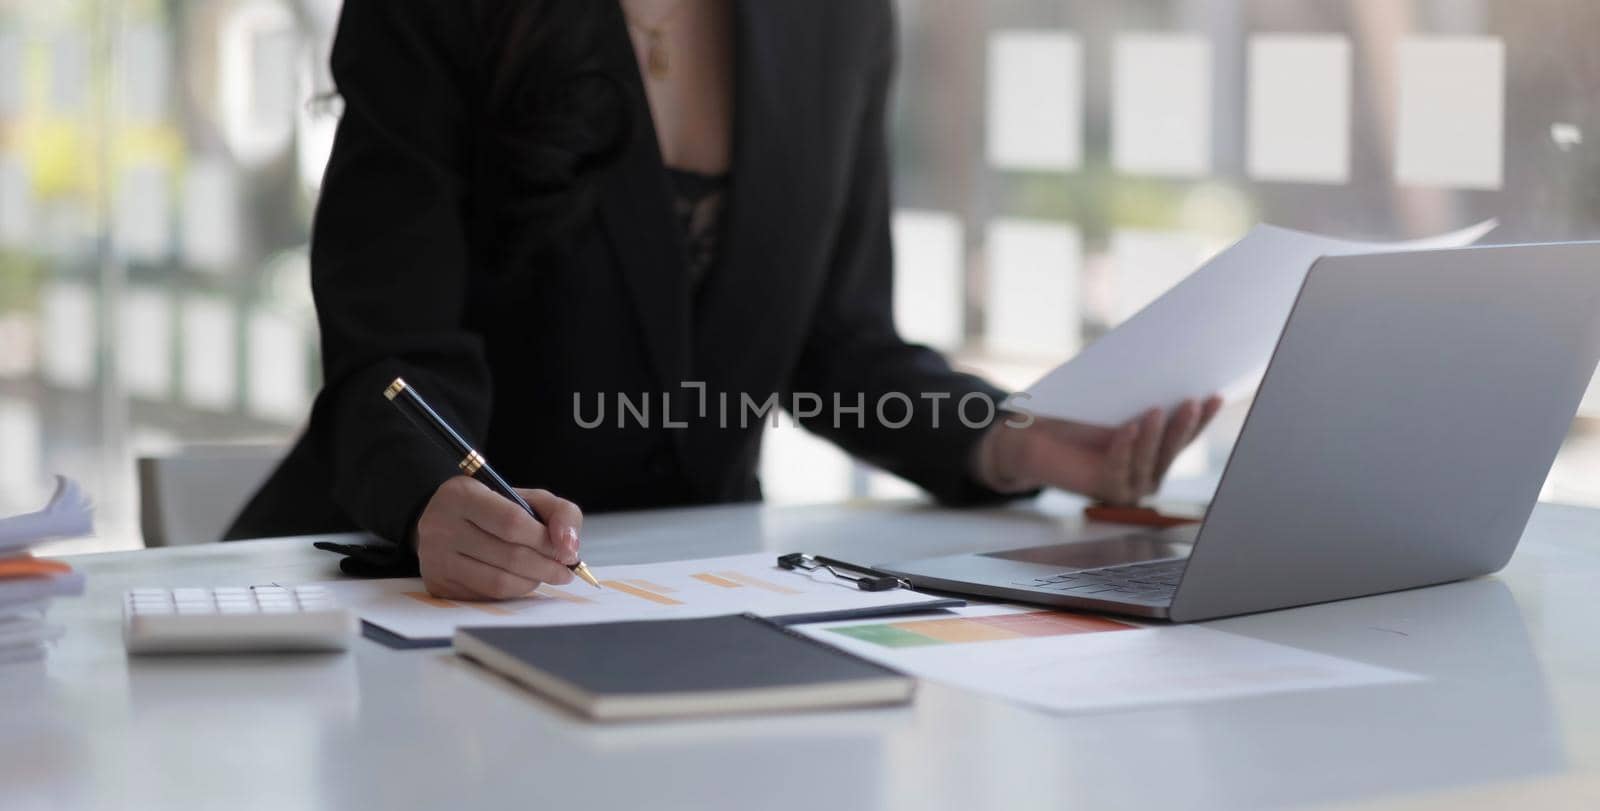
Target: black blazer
[799,298]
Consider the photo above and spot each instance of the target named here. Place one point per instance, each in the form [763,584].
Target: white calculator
[240,619]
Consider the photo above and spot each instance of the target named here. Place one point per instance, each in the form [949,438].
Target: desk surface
[1512,698]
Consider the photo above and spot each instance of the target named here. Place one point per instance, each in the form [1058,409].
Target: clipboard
[865,578]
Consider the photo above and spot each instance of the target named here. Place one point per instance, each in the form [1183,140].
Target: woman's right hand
[475,544]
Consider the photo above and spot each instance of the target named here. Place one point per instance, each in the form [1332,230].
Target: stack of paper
[27,583]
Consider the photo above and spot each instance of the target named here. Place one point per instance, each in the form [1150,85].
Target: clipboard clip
[865,578]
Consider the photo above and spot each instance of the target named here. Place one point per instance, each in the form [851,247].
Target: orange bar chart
[644,594]
[558,594]
[428,599]
[756,582]
[649,586]
[487,608]
[707,577]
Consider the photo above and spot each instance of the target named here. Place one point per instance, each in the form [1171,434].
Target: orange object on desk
[1135,516]
[31,567]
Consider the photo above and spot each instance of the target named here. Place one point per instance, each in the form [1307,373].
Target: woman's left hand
[1115,465]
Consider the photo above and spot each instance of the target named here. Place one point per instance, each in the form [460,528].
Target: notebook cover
[664,657]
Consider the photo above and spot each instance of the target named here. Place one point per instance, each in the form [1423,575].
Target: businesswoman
[533,206]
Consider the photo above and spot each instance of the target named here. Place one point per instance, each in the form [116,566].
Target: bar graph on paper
[618,591]
[741,583]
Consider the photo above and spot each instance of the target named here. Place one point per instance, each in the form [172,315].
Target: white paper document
[68,515]
[646,591]
[1212,333]
[18,593]
[26,632]
[1065,662]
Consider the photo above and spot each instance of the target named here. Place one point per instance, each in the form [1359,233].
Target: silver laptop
[1400,438]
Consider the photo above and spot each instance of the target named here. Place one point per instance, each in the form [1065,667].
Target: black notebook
[661,668]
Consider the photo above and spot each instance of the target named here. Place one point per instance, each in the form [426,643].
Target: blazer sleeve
[853,346]
[389,260]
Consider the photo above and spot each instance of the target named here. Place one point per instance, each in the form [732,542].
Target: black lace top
[697,200]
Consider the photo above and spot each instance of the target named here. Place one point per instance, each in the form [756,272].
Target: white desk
[1512,698]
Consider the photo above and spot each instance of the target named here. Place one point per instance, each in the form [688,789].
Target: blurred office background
[1060,163]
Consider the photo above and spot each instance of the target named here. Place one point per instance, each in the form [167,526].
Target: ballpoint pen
[472,463]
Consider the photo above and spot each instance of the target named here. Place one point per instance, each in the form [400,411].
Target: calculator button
[157,593]
[190,594]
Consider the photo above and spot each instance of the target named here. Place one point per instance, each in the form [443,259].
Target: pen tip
[582,571]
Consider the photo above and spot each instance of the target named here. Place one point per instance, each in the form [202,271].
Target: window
[1058,164]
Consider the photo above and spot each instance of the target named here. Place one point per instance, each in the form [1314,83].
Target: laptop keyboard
[1152,581]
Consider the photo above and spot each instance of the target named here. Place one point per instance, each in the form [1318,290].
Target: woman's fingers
[1118,467]
[1182,426]
[1208,410]
[562,520]
[1047,459]
[503,518]
[485,582]
[475,544]
[522,561]
[1146,453]
[440,586]
[1076,433]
